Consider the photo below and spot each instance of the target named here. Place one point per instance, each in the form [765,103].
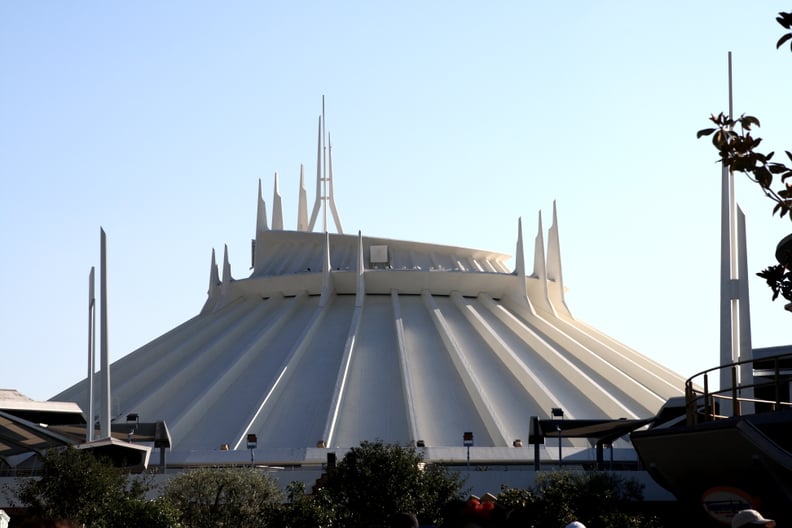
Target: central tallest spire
[324,179]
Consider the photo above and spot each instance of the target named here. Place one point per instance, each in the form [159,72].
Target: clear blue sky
[449,121]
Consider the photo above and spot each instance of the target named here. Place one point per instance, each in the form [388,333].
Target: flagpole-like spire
[728,301]
[106,415]
[89,430]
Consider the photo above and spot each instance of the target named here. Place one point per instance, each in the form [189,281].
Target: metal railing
[705,405]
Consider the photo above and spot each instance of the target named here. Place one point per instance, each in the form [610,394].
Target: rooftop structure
[336,338]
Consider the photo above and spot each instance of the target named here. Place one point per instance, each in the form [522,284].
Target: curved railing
[764,395]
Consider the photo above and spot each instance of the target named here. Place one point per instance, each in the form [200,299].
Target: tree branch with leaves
[738,152]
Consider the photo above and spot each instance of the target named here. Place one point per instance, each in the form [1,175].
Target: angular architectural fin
[261,212]
[330,198]
[327,282]
[227,279]
[554,251]
[277,207]
[261,228]
[214,277]
[555,277]
[519,256]
[540,271]
[744,312]
[360,291]
[302,205]
[519,270]
[318,199]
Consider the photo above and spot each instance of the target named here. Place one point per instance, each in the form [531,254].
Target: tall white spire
[318,195]
[261,211]
[735,334]
[540,271]
[214,276]
[554,272]
[106,399]
[277,207]
[302,206]
[227,279]
[331,197]
[520,262]
[89,430]
[520,256]
[324,180]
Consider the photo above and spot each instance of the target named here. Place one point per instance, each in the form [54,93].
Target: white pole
[89,430]
[105,357]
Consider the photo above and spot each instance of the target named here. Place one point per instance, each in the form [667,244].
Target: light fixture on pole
[467,441]
[558,414]
[252,442]
[134,419]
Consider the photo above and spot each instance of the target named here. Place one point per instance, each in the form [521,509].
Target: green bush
[76,486]
[597,499]
[228,496]
[376,480]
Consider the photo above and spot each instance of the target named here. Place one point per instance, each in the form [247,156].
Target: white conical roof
[424,342]
[336,338]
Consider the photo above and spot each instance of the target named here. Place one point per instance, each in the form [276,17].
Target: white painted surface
[424,345]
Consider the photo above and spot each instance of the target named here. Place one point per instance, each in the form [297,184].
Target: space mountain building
[337,338]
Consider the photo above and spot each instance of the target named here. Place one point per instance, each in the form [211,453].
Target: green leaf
[705,132]
[783,39]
